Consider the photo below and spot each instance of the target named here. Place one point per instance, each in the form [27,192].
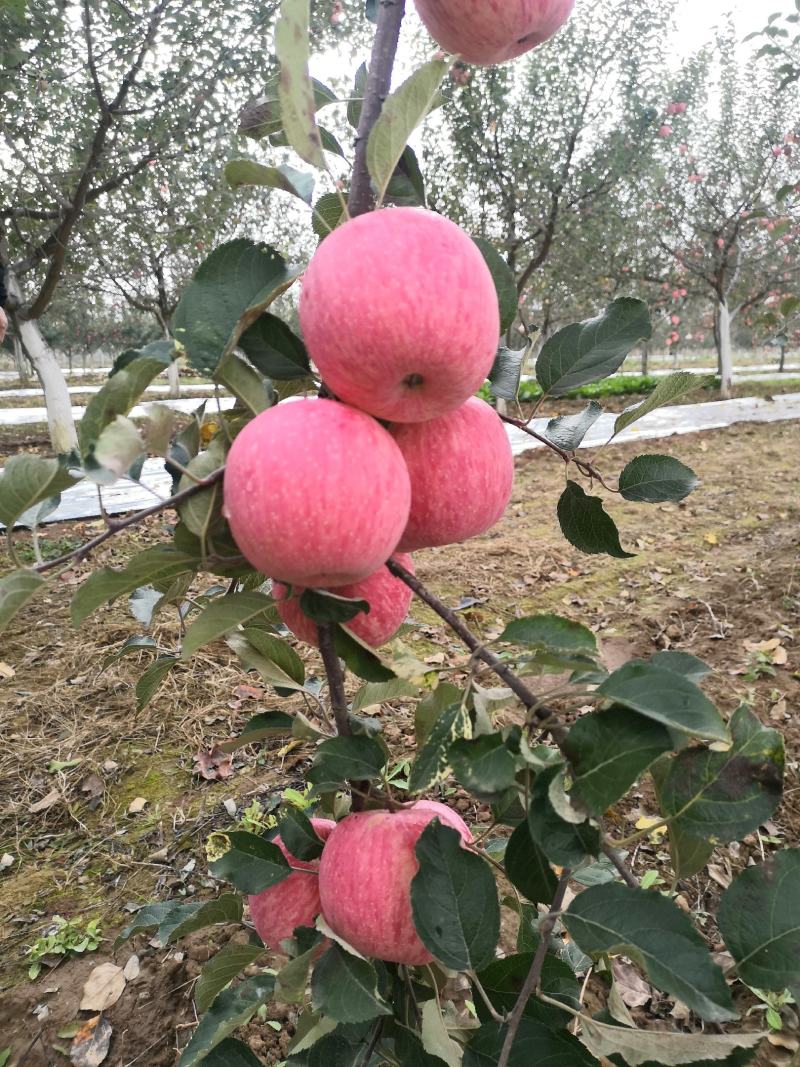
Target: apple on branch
[365,877]
[399,313]
[316,493]
[389,600]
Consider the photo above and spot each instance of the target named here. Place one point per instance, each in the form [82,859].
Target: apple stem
[535,973]
[379,80]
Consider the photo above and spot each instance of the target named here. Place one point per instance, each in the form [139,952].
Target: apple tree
[383,905]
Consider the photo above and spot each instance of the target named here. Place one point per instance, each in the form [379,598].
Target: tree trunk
[63,435]
[725,352]
[19,360]
[782,367]
[645,359]
[173,377]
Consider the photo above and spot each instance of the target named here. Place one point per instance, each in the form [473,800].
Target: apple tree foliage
[550,777]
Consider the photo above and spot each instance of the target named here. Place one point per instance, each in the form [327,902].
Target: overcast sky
[697,18]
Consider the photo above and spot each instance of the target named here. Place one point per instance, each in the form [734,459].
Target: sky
[697,19]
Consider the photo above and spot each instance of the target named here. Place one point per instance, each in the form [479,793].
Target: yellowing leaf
[646,822]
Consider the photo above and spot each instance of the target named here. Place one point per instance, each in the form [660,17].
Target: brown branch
[117,525]
[535,973]
[379,79]
[338,698]
[627,874]
[515,684]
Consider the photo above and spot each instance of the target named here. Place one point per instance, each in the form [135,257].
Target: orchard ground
[103,809]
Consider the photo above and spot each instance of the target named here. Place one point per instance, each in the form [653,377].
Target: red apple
[365,879]
[294,902]
[3,325]
[316,493]
[462,474]
[400,315]
[389,600]
[492,31]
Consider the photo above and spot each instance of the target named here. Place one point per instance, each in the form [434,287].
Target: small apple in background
[3,325]
[316,493]
[389,600]
[492,31]
[365,879]
[278,911]
[399,313]
[462,473]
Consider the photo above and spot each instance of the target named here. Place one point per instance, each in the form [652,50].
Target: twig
[608,850]
[535,973]
[498,1018]
[515,684]
[584,466]
[379,79]
[376,1036]
[338,699]
[116,525]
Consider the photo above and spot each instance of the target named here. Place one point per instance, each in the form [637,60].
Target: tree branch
[379,79]
[535,973]
[116,525]
[338,697]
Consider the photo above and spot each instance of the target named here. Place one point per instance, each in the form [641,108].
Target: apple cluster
[400,316]
[361,885]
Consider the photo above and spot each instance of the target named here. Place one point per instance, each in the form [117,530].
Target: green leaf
[687,854]
[568,431]
[534,1043]
[589,351]
[608,751]
[403,110]
[345,988]
[436,1040]
[246,384]
[357,96]
[295,91]
[659,937]
[789,306]
[666,697]
[292,980]
[201,514]
[275,349]
[260,727]
[299,835]
[122,390]
[342,759]
[454,901]
[328,214]
[230,1053]
[252,864]
[325,606]
[221,969]
[222,616]
[432,764]
[382,692]
[566,844]
[504,282]
[289,180]
[275,660]
[682,663]
[586,525]
[232,1009]
[759,919]
[506,372]
[159,563]
[360,658]
[27,480]
[229,292]
[117,451]
[551,633]
[656,479]
[527,867]
[637,1048]
[176,920]
[148,684]
[407,186]
[16,589]
[667,390]
[483,766]
[723,796]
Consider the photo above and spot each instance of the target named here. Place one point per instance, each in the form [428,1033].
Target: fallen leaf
[213,765]
[646,821]
[91,1043]
[131,968]
[633,989]
[6,670]
[6,860]
[110,765]
[42,1012]
[92,785]
[711,539]
[46,802]
[103,987]
[248,692]
[137,805]
[720,875]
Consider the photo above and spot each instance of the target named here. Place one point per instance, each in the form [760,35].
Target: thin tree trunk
[782,367]
[645,359]
[173,377]
[19,360]
[63,435]
[725,352]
